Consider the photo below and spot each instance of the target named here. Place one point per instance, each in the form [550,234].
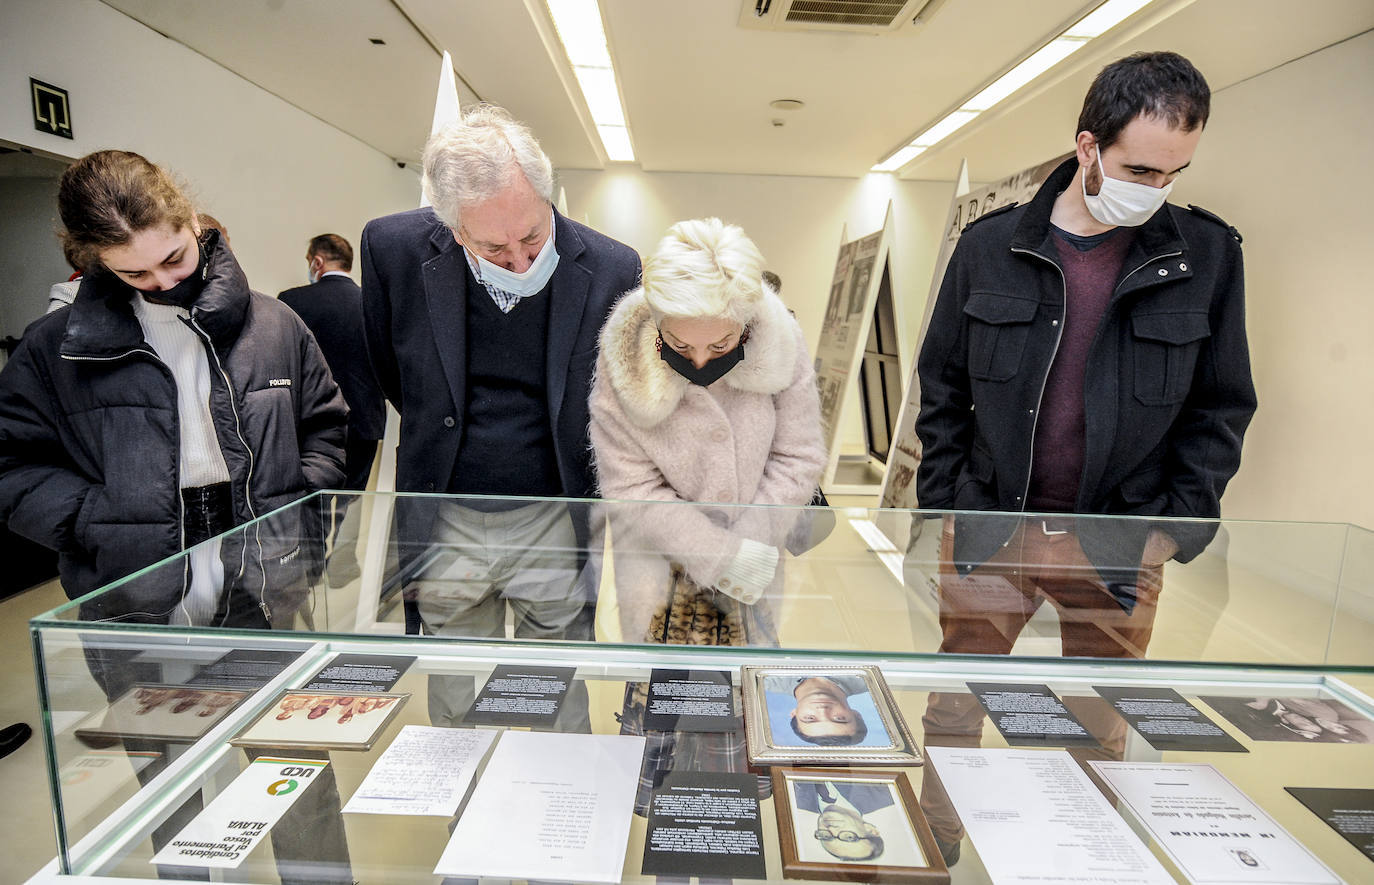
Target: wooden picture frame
[298,719]
[876,802]
[837,715]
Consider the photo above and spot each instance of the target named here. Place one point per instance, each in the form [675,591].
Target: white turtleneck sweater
[201,463]
[183,351]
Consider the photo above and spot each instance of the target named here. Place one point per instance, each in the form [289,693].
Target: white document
[1210,829]
[228,829]
[549,806]
[1035,817]
[426,770]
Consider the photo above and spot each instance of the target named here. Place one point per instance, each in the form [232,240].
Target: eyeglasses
[843,836]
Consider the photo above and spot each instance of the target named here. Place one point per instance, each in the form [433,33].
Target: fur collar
[649,391]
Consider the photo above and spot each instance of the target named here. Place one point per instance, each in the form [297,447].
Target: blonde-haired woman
[704,393]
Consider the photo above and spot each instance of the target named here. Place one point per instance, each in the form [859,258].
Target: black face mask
[184,293]
[708,374]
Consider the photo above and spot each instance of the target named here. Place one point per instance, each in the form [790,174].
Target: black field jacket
[1168,393]
[89,434]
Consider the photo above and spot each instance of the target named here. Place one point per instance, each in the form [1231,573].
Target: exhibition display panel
[582,696]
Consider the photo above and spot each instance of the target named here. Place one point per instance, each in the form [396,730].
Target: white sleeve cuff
[750,573]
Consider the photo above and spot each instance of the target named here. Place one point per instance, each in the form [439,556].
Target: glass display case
[162,694]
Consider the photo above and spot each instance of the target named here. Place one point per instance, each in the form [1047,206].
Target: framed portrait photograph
[820,716]
[321,720]
[176,713]
[853,825]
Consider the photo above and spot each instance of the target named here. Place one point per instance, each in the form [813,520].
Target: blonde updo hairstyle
[704,268]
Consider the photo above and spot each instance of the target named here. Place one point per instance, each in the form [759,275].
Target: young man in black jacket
[1087,355]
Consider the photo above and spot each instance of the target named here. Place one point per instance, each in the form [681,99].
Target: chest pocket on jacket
[1166,346]
[997,330]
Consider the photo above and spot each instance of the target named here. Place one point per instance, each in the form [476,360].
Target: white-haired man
[481,318]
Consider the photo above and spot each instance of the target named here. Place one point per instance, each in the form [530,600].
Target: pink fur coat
[753,437]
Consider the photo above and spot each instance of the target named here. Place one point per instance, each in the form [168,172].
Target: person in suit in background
[331,305]
[481,316]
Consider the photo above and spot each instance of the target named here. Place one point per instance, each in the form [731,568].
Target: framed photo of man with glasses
[854,825]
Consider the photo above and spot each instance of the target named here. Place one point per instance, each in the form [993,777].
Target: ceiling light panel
[945,128]
[1046,57]
[1102,19]
[578,23]
[899,159]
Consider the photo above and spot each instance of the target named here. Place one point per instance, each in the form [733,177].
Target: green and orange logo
[282,787]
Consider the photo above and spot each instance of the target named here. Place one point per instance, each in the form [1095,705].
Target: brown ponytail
[106,197]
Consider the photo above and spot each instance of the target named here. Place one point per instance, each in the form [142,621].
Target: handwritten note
[424,771]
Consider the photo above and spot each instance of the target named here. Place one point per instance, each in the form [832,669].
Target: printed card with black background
[360,673]
[1164,718]
[520,695]
[690,700]
[1030,715]
[705,824]
[248,668]
[1349,812]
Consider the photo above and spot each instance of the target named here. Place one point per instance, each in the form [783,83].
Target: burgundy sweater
[1090,277]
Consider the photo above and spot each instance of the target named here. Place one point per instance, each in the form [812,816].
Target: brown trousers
[985,611]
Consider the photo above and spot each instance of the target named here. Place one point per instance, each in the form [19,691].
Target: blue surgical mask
[532,281]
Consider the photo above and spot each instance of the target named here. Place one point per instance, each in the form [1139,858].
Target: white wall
[1285,159]
[796,222]
[30,259]
[274,175]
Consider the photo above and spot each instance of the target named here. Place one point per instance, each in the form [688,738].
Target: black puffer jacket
[1168,393]
[89,431]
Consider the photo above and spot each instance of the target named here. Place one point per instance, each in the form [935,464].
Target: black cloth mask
[708,374]
[184,293]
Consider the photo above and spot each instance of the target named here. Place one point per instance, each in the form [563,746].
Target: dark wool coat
[333,309]
[414,297]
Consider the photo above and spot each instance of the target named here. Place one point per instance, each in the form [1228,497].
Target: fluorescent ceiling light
[1048,56]
[944,128]
[617,142]
[603,100]
[1104,18]
[578,23]
[579,27]
[1096,23]
[899,158]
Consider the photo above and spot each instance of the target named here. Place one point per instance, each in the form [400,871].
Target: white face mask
[1123,203]
[523,284]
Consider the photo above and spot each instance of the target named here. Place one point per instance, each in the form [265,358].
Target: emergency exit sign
[52,111]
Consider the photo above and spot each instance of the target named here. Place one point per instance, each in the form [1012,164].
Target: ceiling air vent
[853,16]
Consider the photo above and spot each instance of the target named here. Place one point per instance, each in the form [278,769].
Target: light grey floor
[26,827]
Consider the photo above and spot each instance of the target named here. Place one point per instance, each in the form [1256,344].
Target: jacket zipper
[1045,379]
[1030,462]
[248,480]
